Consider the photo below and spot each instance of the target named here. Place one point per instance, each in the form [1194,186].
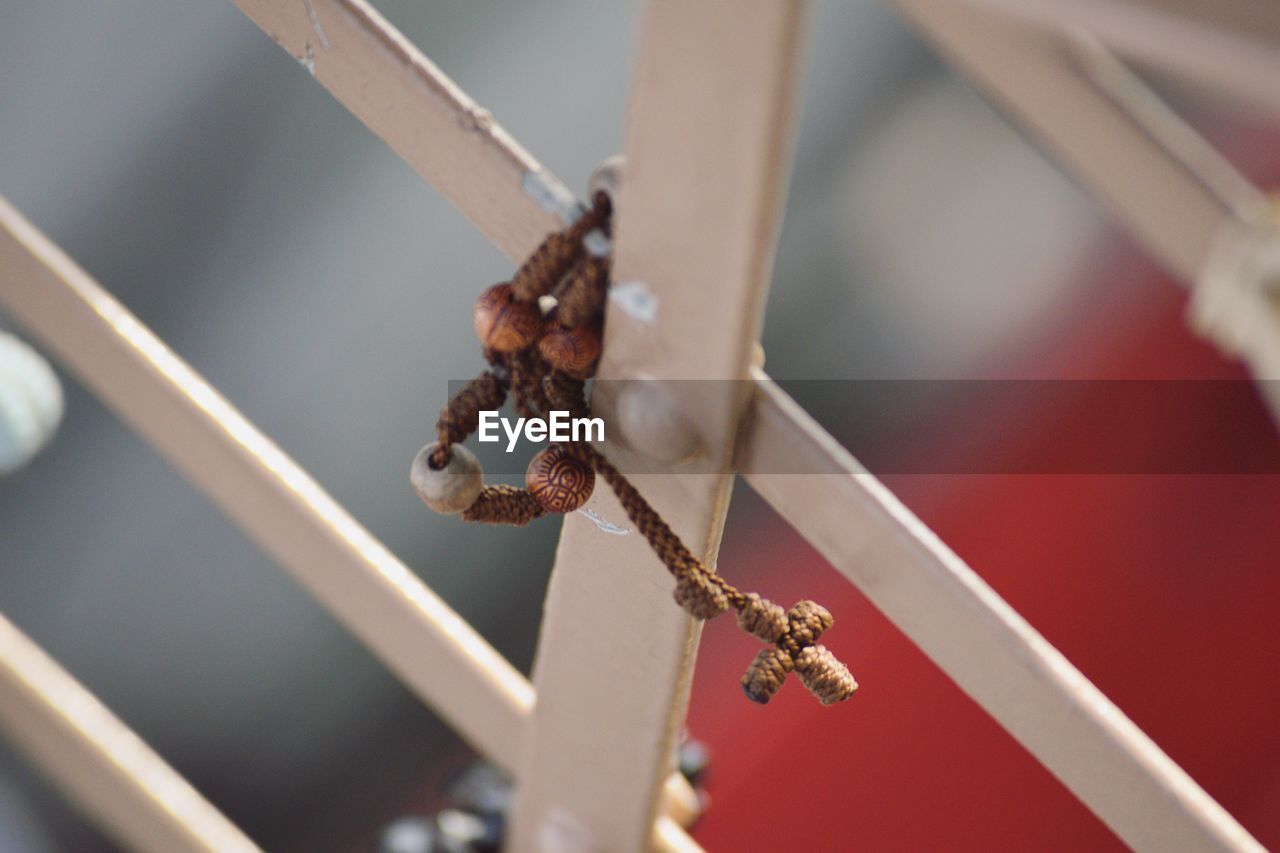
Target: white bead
[450,489]
[607,177]
[31,403]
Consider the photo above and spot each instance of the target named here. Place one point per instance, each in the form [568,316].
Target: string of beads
[541,360]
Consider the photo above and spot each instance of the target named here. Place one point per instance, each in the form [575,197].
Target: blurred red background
[1161,589]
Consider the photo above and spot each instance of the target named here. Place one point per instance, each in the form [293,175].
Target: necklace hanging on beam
[542,359]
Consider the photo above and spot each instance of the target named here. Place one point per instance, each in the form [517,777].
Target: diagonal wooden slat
[977,639]
[452,142]
[422,115]
[1149,168]
[1228,47]
[695,230]
[1174,190]
[384,604]
[115,778]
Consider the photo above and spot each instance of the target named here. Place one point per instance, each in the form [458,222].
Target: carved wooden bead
[449,489]
[502,323]
[557,481]
[573,351]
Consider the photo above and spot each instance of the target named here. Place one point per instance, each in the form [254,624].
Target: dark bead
[573,351]
[480,788]
[503,324]
[557,481]
[692,759]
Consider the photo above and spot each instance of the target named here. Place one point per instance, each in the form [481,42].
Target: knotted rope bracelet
[542,358]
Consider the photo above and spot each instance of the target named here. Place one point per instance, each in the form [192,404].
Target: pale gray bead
[30,403]
[450,489]
[607,178]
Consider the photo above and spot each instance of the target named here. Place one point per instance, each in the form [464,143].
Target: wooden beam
[1230,48]
[106,769]
[670,838]
[384,604]
[707,152]
[1158,177]
[974,636]
[1175,192]
[454,143]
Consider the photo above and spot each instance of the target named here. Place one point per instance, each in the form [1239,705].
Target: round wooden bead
[449,489]
[573,351]
[502,323]
[557,481]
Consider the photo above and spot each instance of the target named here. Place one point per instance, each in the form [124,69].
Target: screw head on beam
[650,423]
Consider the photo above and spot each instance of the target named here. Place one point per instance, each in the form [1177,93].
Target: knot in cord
[501,504]
[700,598]
[762,618]
[796,649]
[461,415]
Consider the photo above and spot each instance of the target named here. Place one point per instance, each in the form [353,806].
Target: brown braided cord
[761,618]
[527,370]
[807,621]
[566,393]
[537,388]
[765,675]
[502,504]
[461,415]
[520,397]
[580,297]
[796,648]
[670,550]
[552,260]
[824,676]
[700,598]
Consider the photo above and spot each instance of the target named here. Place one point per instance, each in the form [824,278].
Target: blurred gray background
[198,172]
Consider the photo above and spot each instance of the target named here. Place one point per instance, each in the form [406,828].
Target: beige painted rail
[695,231]
[98,761]
[1155,174]
[990,651]
[422,115]
[437,654]
[384,605]
[1230,48]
